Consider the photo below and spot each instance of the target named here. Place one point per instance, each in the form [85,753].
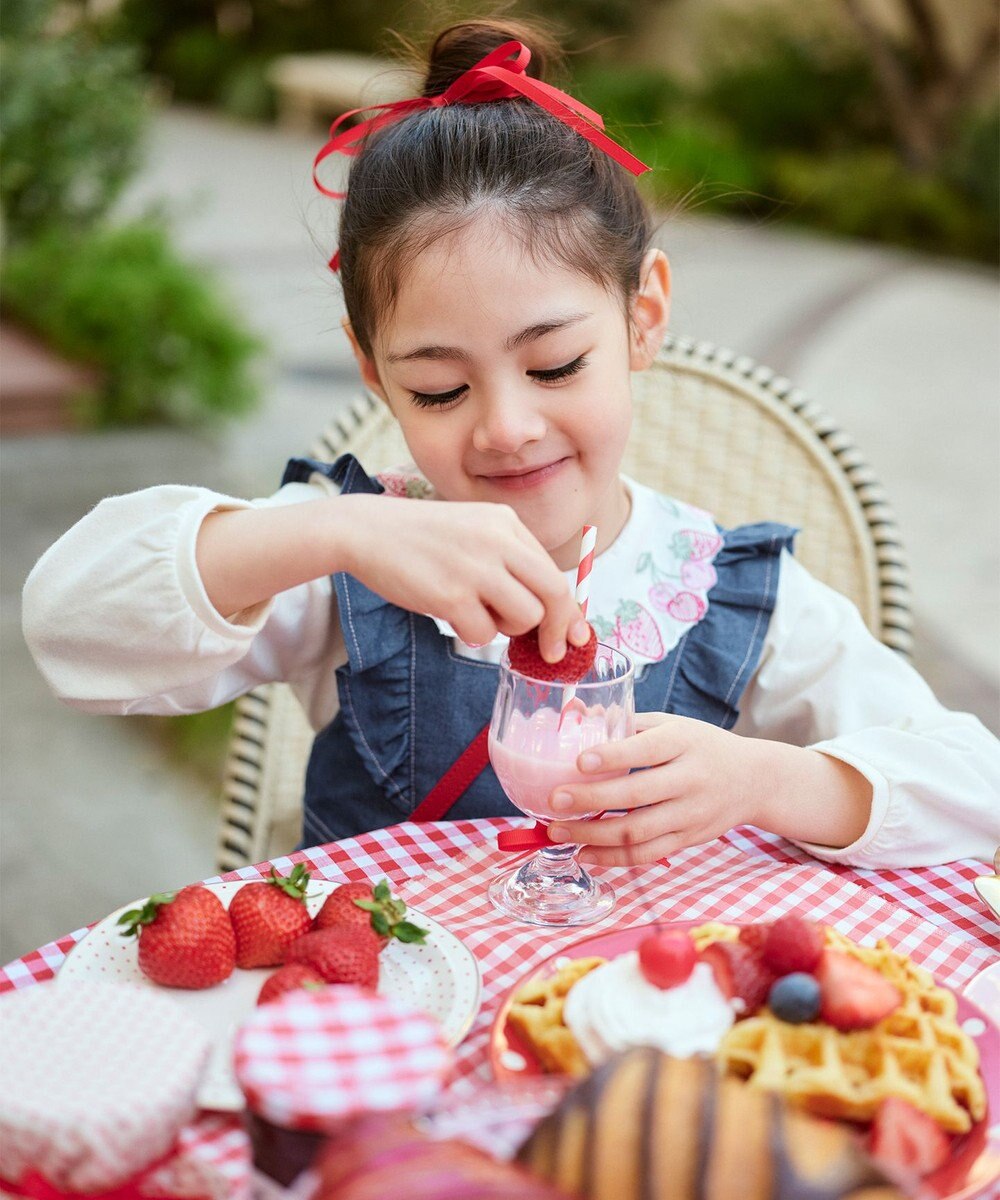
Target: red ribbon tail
[511,841]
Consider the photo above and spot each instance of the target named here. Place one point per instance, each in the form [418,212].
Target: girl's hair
[428,175]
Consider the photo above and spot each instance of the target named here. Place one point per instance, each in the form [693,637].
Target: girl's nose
[507,422]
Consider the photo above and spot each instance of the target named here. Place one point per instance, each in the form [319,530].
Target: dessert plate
[974,1167]
[441,977]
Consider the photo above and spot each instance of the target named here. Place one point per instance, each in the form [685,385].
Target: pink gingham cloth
[442,869]
[310,1059]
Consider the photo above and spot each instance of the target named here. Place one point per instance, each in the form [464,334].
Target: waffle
[536,1013]
[917,1053]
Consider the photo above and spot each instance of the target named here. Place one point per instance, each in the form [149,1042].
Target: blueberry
[794,998]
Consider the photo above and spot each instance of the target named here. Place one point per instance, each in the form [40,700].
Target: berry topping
[526,658]
[289,978]
[853,995]
[667,959]
[741,974]
[904,1139]
[755,936]
[795,998]
[185,939]
[375,909]
[793,944]
[341,954]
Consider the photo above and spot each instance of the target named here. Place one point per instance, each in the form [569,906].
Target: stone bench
[312,88]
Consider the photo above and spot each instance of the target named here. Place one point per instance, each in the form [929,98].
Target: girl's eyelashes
[442,399]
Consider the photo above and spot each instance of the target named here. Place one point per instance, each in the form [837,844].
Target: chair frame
[270,712]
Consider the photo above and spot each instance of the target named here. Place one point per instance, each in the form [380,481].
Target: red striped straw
[588,543]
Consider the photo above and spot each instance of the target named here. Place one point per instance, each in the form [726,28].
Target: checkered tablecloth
[442,870]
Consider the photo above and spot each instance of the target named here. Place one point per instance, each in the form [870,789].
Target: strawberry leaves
[133,920]
[293,885]
[387,913]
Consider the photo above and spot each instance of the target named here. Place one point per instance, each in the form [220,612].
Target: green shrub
[71,119]
[158,328]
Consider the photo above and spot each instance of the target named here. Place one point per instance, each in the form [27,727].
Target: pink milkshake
[538,752]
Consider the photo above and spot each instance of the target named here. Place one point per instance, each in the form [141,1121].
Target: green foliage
[71,115]
[157,327]
[196,741]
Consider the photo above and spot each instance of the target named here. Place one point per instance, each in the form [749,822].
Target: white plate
[441,978]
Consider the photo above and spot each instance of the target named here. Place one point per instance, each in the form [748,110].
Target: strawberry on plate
[267,917]
[185,938]
[341,954]
[852,994]
[526,658]
[904,1139]
[374,908]
[792,944]
[289,978]
[740,972]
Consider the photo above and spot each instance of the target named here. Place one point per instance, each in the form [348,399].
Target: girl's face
[511,381]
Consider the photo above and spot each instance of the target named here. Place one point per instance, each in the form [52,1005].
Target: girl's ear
[369,373]
[650,311]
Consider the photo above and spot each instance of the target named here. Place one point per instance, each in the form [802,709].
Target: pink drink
[538,753]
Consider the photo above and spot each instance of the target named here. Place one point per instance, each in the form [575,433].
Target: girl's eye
[436,399]
[564,372]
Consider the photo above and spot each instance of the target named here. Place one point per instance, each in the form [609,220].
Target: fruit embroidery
[634,628]
[405,484]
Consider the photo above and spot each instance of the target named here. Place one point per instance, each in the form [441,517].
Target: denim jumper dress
[410,706]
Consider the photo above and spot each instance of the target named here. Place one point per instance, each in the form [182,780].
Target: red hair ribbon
[498,76]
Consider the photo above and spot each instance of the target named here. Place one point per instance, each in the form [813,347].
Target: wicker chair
[710,427]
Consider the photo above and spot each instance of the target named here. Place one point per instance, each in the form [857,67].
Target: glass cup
[537,732]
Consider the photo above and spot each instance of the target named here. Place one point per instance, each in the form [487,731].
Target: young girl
[500,288]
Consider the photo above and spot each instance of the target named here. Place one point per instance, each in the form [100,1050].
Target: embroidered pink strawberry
[692,543]
[637,630]
[698,574]
[660,596]
[686,606]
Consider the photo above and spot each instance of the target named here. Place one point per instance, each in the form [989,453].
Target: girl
[500,288]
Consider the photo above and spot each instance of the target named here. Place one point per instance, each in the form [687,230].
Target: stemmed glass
[537,732]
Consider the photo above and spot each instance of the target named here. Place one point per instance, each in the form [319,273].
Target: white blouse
[118,620]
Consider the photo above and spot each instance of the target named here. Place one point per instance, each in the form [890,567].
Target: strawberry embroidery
[676,602]
[693,544]
[634,629]
[698,574]
[404,485]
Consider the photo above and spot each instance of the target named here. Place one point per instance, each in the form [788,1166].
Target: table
[442,870]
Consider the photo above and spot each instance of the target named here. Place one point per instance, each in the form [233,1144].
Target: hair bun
[463,44]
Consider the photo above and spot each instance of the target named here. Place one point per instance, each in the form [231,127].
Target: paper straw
[588,543]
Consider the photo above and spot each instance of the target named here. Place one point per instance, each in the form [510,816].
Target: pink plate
[974,1167]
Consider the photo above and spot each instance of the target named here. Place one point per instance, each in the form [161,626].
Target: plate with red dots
[440,977]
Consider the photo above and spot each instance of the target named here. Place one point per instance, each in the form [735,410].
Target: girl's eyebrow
[529,334]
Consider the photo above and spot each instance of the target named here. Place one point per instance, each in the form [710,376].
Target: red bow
[492,78]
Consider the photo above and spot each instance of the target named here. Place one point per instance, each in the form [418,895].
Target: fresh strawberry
[793,944]
[289,978]
[853,995]
[904,1139]
[375,909]
[755,936]
[667,959]
[341,954]
[268,917]
[741,974]
[526,658]
[185,938]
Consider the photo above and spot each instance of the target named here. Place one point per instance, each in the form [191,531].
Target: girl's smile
[510,379]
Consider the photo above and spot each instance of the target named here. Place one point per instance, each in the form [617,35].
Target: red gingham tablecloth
[931,913]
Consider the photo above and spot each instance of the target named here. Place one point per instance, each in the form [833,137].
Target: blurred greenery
[197,741]
[73,112]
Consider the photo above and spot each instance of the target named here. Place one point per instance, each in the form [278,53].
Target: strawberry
[693,544]
[636,629]
[755,936]
[853,995]
[375,909]
[904,1139]
[289,978]
[793,944]
[667,959]
[185,938]
[741,974]
[526,658]
[267,917]
[341,954]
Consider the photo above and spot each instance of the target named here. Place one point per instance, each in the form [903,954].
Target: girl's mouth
[529,477]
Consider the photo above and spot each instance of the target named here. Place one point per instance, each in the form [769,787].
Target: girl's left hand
[699,782]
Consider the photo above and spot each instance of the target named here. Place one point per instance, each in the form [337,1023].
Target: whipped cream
[615,1007]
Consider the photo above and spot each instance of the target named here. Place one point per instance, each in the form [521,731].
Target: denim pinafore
[409,705]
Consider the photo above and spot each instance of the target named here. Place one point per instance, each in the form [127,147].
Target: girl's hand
[475,566]
[700,781]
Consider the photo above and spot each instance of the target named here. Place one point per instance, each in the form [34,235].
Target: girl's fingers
[655,744]
[655,850]
[516,609]
[630,829]
[474,625]
[561,620]
[612,795]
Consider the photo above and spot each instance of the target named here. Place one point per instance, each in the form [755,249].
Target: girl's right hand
[476,566]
